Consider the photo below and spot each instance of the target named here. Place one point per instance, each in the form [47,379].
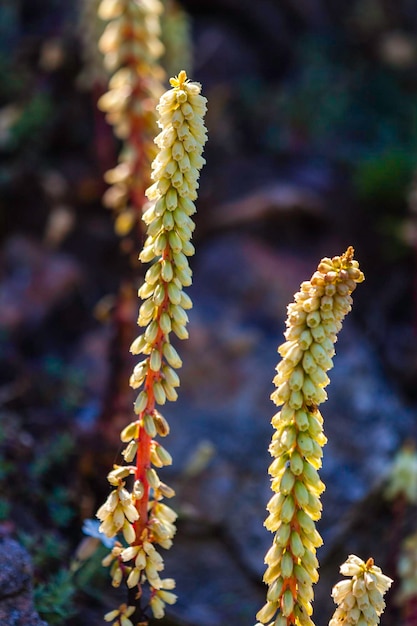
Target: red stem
[143,455]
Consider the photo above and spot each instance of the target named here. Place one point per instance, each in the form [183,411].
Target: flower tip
[178,81]
[349,254]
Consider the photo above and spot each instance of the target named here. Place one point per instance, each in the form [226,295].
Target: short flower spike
[314,319]
[359,599]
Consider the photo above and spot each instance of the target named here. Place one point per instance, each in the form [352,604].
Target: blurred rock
[16,603]
[34,280]
[268,201]
[241,289]
[212,584]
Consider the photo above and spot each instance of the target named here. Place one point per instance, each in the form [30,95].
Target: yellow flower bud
[287,482]
[155,361]
[141,402]
[128,532]
[296,464]
[296,379]
[157,607]
[159,393]
[283,534]
[297,547]
[288,509]
[149,424]
[287,604]
[267,612]
[130,452]
[171,355]
[152,478]
[301,494]
[129,432]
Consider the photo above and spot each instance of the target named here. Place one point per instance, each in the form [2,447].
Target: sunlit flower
[131,47]
[360,599]
[314,319]
[120,616]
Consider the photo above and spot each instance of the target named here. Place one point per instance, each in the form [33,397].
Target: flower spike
[314,319]
[140,515]
[132,47]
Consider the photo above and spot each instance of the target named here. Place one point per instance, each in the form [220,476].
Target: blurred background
[312,147]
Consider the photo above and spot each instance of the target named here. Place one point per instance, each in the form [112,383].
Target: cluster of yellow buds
[314,319]
[118,513]
[402,477]
[140,515]
[360,599]
[120,616]
[131,47]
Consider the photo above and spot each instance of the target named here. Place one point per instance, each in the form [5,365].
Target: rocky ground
[277,194]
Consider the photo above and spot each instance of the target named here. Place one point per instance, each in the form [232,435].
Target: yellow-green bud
[301,494]
[304,443]
[138,489]
[287,565]
[149,424]
[164,455]
[130,452]
[129,432]
[288,509]
[155,361]
[283,534]
[301,420]
[152,478]
[296,379]
[274,592]
[161,424]
[171,355]
[296,464]
[287,482]
[140,402]
[287,605]
[296,544]
[159,393]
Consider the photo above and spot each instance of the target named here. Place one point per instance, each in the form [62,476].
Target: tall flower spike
[360,599]
[141,516]
[131,47]
[314,319]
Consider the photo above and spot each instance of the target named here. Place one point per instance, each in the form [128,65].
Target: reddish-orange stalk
[143,459]
[143,455]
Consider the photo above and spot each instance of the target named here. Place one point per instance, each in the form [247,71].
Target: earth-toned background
[312,127]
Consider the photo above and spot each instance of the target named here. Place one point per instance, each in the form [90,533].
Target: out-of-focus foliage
[336,105]
[54,599]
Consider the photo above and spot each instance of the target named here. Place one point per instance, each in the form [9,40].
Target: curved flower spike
[360,599]
[314,319]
